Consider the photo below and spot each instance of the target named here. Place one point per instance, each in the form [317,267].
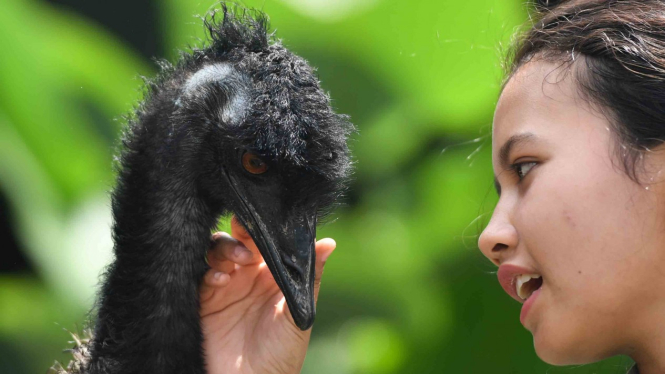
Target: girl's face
[568,213]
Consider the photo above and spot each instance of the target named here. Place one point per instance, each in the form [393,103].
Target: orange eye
[253,163]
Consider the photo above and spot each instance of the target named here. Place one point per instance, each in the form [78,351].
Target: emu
[240,126]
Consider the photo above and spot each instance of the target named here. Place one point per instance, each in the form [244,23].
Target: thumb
[323,248]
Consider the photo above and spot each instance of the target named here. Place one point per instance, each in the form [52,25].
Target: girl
[578,157]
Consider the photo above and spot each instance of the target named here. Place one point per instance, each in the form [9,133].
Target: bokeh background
[407,291]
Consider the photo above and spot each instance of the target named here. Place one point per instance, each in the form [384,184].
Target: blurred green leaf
[374,346]
[47,71]
[36,322]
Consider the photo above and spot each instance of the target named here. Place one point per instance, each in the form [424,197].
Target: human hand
[247,326]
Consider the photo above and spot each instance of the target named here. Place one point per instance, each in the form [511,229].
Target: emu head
[273,150]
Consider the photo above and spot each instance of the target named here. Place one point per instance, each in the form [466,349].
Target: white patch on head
[207,74]
[235,107]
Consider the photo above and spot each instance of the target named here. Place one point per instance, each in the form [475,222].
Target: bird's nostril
[294,270]
[499,247]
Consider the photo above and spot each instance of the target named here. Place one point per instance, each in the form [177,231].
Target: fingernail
[218,235]
[218,275]
[241,251]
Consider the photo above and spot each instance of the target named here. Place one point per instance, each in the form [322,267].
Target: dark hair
[622,46]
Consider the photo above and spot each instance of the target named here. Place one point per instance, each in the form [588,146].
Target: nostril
[295,272]
[499,247]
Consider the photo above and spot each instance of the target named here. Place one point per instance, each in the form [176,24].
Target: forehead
[542,99]
[537,91]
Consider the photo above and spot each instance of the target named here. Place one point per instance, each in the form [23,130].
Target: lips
[511,276]
[522,284]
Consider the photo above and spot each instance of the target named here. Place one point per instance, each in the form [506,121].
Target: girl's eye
[523,168]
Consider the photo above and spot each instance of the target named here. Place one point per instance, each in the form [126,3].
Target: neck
[650,357]
[148,314]
[647,343]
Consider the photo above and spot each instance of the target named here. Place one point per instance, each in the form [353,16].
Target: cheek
[596,241]
[559,231]
[553,222]
[574,222]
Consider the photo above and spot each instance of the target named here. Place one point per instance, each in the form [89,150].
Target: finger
[324,249]
[212,280]
[225,266]
[225,248]
[238,232]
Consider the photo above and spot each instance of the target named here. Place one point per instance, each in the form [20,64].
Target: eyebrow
[504,153]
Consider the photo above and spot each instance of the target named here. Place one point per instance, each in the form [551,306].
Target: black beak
[286,242]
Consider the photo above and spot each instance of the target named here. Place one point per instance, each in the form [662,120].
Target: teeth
[525,292]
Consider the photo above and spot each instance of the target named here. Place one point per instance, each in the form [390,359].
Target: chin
[562,349]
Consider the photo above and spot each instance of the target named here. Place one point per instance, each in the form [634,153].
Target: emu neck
[147,319]
[157,203]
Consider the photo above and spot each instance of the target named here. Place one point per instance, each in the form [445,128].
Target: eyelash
[517,168]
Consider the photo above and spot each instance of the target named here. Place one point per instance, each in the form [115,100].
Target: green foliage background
[407,291]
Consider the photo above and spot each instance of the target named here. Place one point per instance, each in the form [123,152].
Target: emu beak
[286,242]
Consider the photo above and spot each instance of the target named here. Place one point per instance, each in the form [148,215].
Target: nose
[499,238]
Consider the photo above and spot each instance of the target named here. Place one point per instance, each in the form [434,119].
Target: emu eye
[253,163]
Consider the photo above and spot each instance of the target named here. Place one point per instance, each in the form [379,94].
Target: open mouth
[527,284]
